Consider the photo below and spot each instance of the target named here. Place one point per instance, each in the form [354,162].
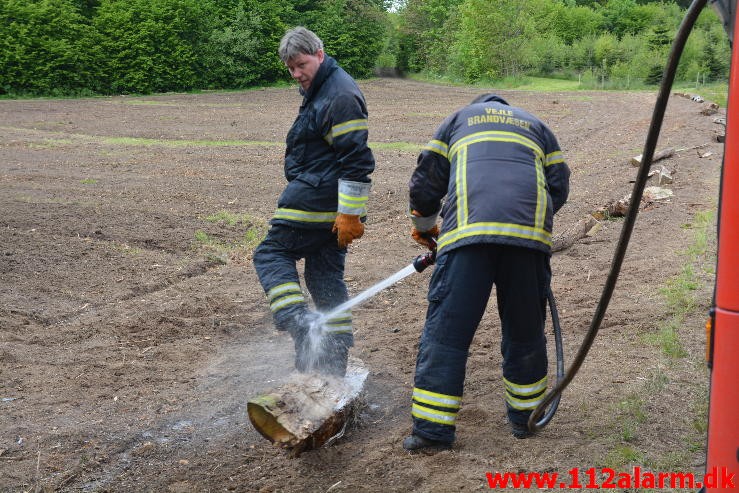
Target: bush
[242,50]
[46,48]
[361,38]
[152,45]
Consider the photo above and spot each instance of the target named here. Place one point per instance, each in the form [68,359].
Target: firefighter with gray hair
[495,174]
[322,209]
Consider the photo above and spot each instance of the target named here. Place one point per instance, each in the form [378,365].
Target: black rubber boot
[417,443]
[520,431]
[299,325]
[333,354]
[326,354]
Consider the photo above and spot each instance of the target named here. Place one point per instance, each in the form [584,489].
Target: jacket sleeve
[556,171]
[430,180]
[347,133]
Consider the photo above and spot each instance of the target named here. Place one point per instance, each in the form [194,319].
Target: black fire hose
[560,359]
[651,143]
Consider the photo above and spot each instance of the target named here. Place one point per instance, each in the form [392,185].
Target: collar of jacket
[328,66]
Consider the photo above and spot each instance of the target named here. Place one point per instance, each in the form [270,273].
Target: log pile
[589,225]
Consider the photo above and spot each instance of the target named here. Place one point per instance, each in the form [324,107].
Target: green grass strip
[140,141]
[65,139]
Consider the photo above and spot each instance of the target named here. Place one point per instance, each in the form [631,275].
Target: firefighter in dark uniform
[322,209]
[501,176]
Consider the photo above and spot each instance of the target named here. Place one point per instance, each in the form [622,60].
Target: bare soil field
[133,329]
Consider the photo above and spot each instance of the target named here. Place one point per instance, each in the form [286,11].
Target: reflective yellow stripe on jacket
[353,204]
[346,127]
[503,229]
[464,229]
[305,216]
[555,157]
[461,183]
[438,147]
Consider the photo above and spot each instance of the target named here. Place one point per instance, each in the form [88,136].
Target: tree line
[610,42]
[60,47]
[86,47]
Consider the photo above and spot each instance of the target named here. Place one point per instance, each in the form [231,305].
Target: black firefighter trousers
[458,295]
[275,261]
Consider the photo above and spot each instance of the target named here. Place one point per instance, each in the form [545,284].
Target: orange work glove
[348,228]
[422,237]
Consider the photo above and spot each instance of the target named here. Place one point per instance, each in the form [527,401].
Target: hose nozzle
[421,262]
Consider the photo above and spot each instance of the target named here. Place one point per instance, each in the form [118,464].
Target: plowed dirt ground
[133,329]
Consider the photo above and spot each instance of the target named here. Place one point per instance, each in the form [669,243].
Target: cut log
[309,410]
[664,153]
[710,109]
[586,226]
[655,194]
[693,97]
[699,146]
[664,175]
[617,208]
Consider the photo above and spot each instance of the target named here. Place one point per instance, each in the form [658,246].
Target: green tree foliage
[504,38]
[715,64]
[50,47]
[87,7]
[596,40]
[152,45]
[622,16]
[388,60]
[46,47]
[425,34]
[143,46]
[570,23]
[357,45]
[242,48]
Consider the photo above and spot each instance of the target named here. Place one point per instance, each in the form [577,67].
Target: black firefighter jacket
[501,174]
[327,161]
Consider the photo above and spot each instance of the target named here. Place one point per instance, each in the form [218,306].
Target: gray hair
[299,41]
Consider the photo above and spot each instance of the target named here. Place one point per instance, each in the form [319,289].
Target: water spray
[419,264]
[317,330]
